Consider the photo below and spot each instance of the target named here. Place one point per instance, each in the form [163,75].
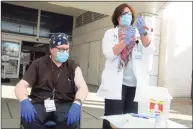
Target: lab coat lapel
[116,34]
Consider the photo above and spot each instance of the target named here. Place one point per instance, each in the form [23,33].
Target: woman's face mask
[62,56]
[126,19]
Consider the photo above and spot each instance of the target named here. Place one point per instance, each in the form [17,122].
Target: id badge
[49,105]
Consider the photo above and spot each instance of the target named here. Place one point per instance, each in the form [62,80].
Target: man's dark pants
[59,116]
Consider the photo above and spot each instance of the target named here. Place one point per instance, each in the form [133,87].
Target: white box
[148,96]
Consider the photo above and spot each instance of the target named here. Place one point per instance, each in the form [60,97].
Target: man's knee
[33,125]
[41,115]
[63,124]
[75,126]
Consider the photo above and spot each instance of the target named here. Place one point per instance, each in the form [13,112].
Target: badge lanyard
[55,83]
[49,102]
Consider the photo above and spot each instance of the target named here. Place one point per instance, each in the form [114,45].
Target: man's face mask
[62,56]
[126,19]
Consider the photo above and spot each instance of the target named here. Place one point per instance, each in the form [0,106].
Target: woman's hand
[129,34]
[140,24]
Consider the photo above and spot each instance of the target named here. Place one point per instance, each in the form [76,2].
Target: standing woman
[126,63]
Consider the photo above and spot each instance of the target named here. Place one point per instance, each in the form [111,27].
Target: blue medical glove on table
[140,24]
[28,112]
[129,34]
[73,115]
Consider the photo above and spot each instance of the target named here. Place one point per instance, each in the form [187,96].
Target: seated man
[54,79]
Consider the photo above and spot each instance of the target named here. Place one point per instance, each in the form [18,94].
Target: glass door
[10,61]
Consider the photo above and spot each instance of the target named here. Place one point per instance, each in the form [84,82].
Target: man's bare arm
[21,90]
[80,83]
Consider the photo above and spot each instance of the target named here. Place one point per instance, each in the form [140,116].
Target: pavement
[93,109]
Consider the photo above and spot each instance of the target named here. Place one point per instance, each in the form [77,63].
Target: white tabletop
[116,122]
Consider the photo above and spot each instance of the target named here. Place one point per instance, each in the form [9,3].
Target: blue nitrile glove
[73,115]
[129,34]
[28,111]
[140,23]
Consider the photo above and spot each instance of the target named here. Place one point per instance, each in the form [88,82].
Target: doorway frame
[13,58]
[191,90]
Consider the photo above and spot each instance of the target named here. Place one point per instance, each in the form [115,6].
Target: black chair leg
[21,125]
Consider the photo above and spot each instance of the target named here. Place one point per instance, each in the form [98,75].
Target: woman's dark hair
[118,11]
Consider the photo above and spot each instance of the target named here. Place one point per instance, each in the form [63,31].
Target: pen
[139,116]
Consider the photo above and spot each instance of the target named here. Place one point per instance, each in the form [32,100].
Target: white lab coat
[112,79]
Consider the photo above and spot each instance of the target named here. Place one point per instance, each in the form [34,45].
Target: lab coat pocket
[108,77]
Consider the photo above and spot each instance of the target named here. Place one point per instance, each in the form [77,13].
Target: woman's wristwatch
[145,33]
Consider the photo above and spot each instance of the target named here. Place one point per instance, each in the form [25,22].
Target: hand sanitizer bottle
[157,115]
[158,121]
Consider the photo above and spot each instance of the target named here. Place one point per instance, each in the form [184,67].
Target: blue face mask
[126,19]
[62,56]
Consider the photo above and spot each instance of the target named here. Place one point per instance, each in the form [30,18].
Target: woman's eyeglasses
[124,13]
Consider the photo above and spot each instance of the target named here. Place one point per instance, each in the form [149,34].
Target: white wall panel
[94,61]
[91,33]
[176,50]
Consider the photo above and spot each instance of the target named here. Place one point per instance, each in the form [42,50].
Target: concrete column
[38,24]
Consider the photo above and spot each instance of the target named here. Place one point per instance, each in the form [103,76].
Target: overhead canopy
[78,8]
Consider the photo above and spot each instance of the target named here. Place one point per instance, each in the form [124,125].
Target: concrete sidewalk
[93,109]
